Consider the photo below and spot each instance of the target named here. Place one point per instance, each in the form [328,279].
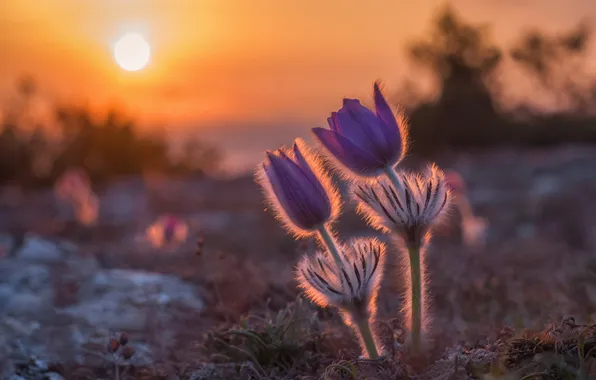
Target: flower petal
[385,114]
[271,173]
[319,193]
[302,201]
[349,154]
[360,125]
[280,181]
[365,129]
[332,121]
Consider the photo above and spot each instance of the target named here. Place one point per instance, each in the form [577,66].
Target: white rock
[24,288]
[38,249]
[29,303]
[30,278]
[126,299]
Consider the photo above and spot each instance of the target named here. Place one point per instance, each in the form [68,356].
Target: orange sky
[259,66]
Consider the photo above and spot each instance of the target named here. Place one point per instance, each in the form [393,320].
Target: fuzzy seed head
[298,189]
[353,287]
[410,210]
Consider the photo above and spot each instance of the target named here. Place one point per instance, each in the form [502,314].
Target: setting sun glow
[132,52]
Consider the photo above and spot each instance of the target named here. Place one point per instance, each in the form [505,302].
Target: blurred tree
[558,63]
[20,138]
[462,59]
[465,64]
[104,146]
[198,157]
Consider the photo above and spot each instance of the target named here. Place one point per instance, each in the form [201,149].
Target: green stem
[331,244]
[392,175]
[416,297]
[367,338]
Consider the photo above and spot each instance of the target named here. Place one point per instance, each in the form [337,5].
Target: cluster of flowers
[365,147]
[74,189]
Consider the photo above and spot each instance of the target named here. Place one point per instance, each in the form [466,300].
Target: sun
[132,52]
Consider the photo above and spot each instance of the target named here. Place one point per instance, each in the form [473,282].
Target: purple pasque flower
[362,141]
[298,189]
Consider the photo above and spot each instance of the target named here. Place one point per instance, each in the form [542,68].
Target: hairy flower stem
[367,338]
[415,278]
[331,244]
[416,297]
[392,175]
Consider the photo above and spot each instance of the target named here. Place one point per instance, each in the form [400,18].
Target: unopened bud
[128,352]
[123,339]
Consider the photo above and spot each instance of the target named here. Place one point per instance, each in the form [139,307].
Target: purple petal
[349,154]
[385,114]
[273,178]
[352,103]
[307,170]
[361,126]
[332,121]
[304,203]
[274,170]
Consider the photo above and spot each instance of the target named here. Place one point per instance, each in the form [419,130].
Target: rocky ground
[66,289]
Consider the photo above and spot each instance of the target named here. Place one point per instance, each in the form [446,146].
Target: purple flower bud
[298,189]
[364,142]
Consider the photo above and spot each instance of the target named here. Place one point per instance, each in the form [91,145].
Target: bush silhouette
[465,64]
[105,147]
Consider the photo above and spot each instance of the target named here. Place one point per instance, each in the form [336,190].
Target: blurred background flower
[87,209]
[72,185]
[73,190]
[168,231]
[474,229]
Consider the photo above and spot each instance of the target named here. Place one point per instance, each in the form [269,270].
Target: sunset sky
[263,70]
